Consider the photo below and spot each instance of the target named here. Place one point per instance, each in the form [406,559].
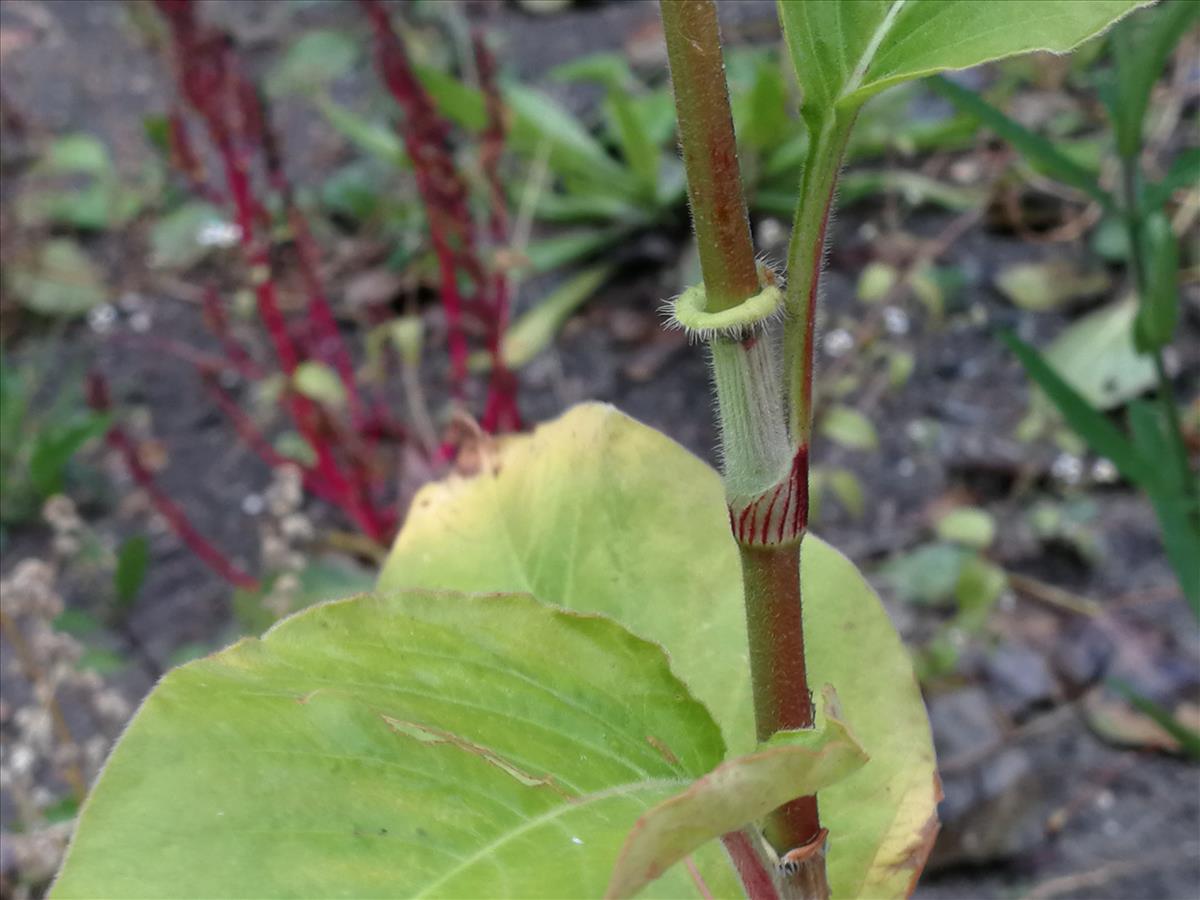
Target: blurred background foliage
[1029,515]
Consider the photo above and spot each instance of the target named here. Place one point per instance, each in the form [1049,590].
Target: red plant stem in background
[327,339]
[426,140]
[214,313]
[185,160]
[500,411]
[229,105]
[176,519]
[257,442]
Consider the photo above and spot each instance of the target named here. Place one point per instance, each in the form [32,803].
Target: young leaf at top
[845,52]
[600,513]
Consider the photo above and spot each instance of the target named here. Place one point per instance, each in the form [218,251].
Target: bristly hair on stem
[766,475]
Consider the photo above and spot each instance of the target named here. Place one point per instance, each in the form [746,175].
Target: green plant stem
[710,152]
[1132,213]
[770,569]
[806,252]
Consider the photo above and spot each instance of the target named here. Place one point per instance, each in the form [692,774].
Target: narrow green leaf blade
[1172,500]
[846,52]
[133,558]
[1033,146]
[1088,422]
[1143,44]
[1159,310]
[1184,173]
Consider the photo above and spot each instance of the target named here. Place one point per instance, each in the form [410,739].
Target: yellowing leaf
[597,512]
[418,744]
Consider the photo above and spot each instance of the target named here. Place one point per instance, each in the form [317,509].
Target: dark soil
[1130,819]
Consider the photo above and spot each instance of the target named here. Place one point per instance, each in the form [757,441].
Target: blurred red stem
[176,519]
[425,136]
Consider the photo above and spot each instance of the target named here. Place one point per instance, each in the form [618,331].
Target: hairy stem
[710,152]
[767,516]
[806,256]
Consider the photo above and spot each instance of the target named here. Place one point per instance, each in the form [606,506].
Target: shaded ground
[1073,816]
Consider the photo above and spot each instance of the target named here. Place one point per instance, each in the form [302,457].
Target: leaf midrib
[852,85]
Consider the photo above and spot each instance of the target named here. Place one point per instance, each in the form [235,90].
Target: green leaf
[876,281]
[1043,286]
[539,121]
[848,427]
[636,147]
[1173,499]
[79,187]
[63,281]
[602,514]
[535,329]
[312,62]
[980,584]
[417,743]
[1039,151]
[928,574]
[849,491]
[1096,355]
[379,140]
[1184,173]
[54,447]
[320,382]
[608,69]
[1187,738]
[1142,46]
[176,239]
[1088,422]
[968,526]
[1159,310]
[846,52]
[77,154]
[133,558]
[761,120]
[551,253]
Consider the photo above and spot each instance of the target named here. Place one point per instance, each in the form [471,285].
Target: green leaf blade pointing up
[846,52]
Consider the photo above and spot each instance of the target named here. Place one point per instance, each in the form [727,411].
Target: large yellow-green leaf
[845,52]
[419,744]
[600,513]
